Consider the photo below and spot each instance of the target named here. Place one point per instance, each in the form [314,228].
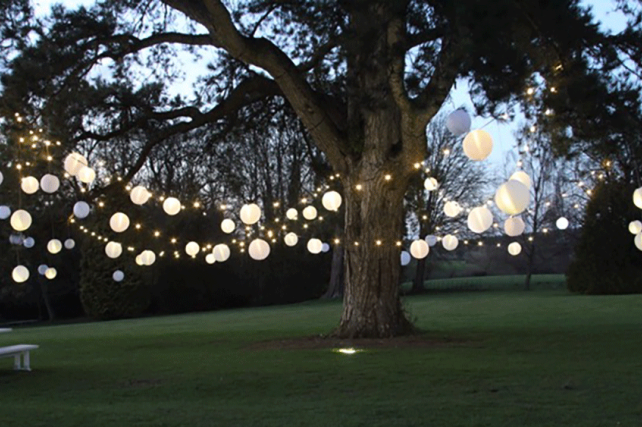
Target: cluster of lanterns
[635,227]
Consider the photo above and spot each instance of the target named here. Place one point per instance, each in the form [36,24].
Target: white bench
[18,352]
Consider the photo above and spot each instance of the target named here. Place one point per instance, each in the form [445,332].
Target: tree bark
[44,292]
[335,288]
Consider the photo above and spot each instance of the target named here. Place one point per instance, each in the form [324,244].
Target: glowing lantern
[70,244]
[638,241]
[291,239]
[292,214]
[42,269]
[480,219]
[259,249]
[325,248]
[210,259]
[221,252]
[405,258]
[54,246]
[139,195]
[522,177]
[16,239]
[512,197]
[315,246]
[431,184]
[5,212]
[118,276]
[51,273]
[637,197]
[419,249]
[478,144]
[147,257]
[49,183]
[20,274]
[228,226]
[139,259]
[113,249]
[86,175]
[29,242]
[1,177]
[452,209]
[561,223]
[250,214]
[458,122]
[450,242]
[20,220]
[171,206]
[514,226]
[192,248]
[514,249]
[310,213]
[635,227]
[29,184]
[119,222]
[431,240]
[331,201]
[73,163]
[81,210]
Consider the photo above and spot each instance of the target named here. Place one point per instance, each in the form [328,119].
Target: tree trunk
[529,268]
[335,288]
[420,274]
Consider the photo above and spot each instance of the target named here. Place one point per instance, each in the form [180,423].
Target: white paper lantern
[118,276]
[291,239]
[148,257]
[29,184]
[522,177]
[637,197]
[119,222]
[458,122]
[478,145]
[20,274]
[16,239]
[171,206]
[514,226]
[210,259]
[29,242]
[70,244]
[512,197]
[431,240]
[5,212]
[452,209]
[250,213]
[1,177]
[139,260]
[480,219]
[192,248]
[325,248]
[315,246]
[139,195]
[259,249]
[49,183]
[450,242]
[42,269]
[74,162]
[20,220]
[635,227]
[227,225]
[310,213]
[54,246]
[562,223]
[419,249]
[51,273]
[431,184]
[514,249]
[405,258]
[638,241]
[221,252]
[86,175]
[331,201]
[292,214]
[113,249]
[81,210]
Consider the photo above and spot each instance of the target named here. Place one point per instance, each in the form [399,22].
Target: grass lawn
[502,358]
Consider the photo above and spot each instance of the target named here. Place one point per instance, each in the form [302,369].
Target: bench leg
[16,362]
[25,361]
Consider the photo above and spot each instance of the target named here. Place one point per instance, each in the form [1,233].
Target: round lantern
[480,219]
[54,246]
[561,223]
[458,122]
[310,213]
[221,252]
[210,259]
[227,225]
[86,175]
[522,177]
[119,222]
[51,273]
[20,220]
[148,257]
[419,249]
[29,242]
[292,214]
[637,197]
[291,239]
[139,259]
[259,249]
[331,201]
[49,183]
[450,242]
[73,163]
[250,214]
[29,184]
[478,144]
[139,195]
[171,206]
[514,249]
[1,177]
[431,184]
[20,274]
[70,244]
[192,248]
[512,197]
[118,276]
[81,210]
[113,249]
[315,246]
[431,240]
[16,239]
[405,258]
[325,248]
[514,226]
[452,209]
[42,269]
[5,212]
[635,227]
[638,241]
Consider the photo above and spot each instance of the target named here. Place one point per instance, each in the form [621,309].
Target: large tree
[364,78]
